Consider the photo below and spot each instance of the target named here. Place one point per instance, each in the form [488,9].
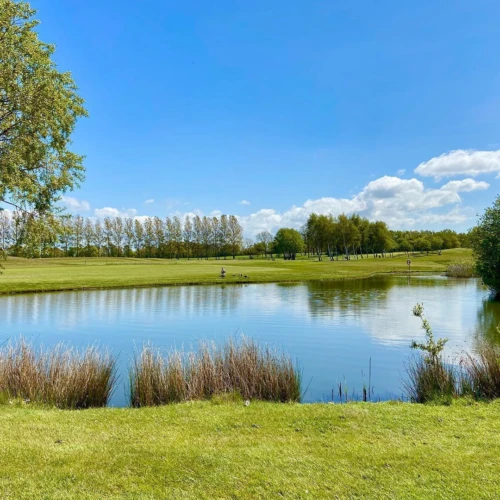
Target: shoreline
[221,281]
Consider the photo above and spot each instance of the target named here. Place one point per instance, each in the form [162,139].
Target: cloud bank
[401,203]
[460,162]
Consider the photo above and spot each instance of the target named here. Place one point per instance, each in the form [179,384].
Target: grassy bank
[265,450]
[40,275]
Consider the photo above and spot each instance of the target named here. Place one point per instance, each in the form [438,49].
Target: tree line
[26,235]
[354,236]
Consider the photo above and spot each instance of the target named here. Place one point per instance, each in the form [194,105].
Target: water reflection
[332,328]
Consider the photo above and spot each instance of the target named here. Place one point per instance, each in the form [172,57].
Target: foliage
[429,379]
[288,242]
[486,246]
[39,107]
[432,348]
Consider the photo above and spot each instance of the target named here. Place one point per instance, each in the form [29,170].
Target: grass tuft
[430,380]
[237,367]
[461,268]
[481,373]
[62,376]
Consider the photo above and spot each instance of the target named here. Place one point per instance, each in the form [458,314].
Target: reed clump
[461,268]
[430,381]
[61,376]
[242,367]
[480,376]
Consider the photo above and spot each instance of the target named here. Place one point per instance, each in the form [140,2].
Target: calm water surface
[331,328]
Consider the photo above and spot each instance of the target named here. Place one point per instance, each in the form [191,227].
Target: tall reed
[481,373]
[242,367]
[462,268]
[61,376]
[429,380]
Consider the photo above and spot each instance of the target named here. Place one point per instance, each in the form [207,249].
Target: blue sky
[291,106]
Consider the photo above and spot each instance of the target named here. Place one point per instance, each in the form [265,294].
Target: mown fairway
[22,275]
[266,450]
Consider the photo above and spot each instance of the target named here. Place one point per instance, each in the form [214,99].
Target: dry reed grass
[481,373]
[242,367]
[462,268]
[61,376]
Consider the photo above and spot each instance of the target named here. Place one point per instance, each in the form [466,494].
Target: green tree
[39,107]
[486,247]
[289,242]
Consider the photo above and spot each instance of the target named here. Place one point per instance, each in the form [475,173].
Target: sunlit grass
[264,450]
[21,275]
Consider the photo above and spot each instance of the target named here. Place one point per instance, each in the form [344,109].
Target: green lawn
[21,275]
[265,450]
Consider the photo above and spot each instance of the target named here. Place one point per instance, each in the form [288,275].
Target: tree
[117,234]
[39,108]
[99,237]
[266,238]
[129,236]
[139,236]
[88,235]
[235,234]
[486,247]
[188,235]
[5,232]
[78,233]
[289,242]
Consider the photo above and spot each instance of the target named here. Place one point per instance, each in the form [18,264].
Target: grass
[61,376]
[242,367]
[39,275]
[265,450]
[430,380]
[481,375]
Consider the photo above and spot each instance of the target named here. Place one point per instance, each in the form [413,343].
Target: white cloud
[461,162]
[75,205]
[244,202]
[401,172]
[150,201]
[465,186]
[115,212]
[398,202]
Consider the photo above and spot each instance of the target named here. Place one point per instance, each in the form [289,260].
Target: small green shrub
[429,378]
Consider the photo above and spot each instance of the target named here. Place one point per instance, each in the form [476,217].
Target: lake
[331,328]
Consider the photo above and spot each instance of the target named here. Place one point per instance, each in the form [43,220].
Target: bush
[429,379]
[485,238]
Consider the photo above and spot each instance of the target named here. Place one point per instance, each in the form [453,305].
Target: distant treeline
[354,235]
[26,235]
